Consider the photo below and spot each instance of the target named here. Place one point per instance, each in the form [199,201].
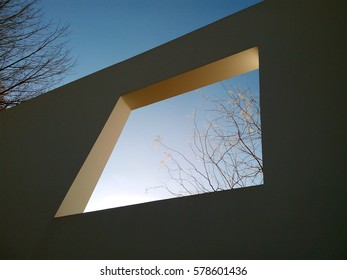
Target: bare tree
[225,152]
[33,54]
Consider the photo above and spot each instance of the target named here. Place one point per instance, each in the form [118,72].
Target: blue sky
[106,32]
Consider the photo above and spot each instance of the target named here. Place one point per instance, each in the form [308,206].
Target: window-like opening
[203,141]
[84,184]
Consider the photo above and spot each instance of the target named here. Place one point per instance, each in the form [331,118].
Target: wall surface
[299,213]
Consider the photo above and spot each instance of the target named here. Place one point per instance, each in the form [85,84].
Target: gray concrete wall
[299,213]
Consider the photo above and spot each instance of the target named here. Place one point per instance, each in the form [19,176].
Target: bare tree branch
[33,54]
[226,152]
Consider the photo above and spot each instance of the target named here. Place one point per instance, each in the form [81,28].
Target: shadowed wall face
[298,214]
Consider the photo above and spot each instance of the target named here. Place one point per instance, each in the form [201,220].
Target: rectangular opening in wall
[193,133]
[202,141]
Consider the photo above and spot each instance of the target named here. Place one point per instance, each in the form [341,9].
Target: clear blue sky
[105,32]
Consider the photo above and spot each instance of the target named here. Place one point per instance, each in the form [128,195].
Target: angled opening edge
[83,186]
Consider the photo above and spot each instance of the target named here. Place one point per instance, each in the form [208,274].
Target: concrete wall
[299,213]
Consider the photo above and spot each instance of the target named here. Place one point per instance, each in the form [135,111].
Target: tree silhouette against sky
[225,150]
[33,53]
